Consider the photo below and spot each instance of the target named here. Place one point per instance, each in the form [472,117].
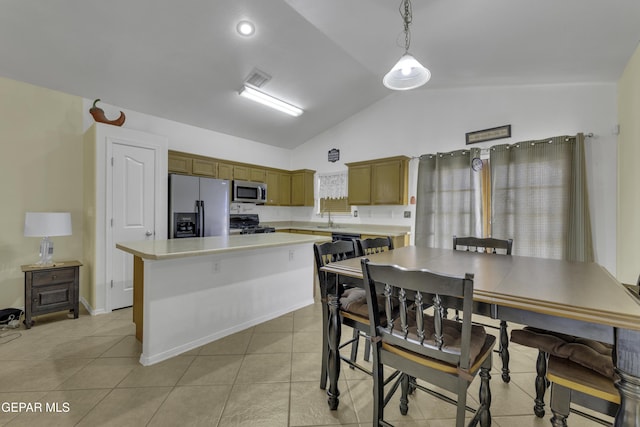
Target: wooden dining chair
[374,245]
[491,246]
[551,344]
[440,351]
[594,356]
[353,306]
[572,382]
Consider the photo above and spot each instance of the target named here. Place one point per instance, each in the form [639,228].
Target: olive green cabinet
[379,182]
[302,188]
[278,188]
[284,188]
[225,171]
[257,175]
[180,164]
[204,167]
[359,184]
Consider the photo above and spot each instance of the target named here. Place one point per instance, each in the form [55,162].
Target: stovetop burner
[248,223]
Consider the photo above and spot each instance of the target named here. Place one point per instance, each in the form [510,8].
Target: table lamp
[45,225]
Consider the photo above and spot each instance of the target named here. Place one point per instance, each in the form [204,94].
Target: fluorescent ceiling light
[268,100]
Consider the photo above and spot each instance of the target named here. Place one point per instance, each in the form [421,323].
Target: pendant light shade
[407,74]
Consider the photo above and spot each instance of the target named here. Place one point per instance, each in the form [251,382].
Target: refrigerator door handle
[198,220]
[202,210]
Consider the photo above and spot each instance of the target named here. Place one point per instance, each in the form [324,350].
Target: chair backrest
[326,253]
[487,244]
[374,245]
[408,326]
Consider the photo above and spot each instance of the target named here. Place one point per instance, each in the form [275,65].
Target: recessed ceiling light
[245,28]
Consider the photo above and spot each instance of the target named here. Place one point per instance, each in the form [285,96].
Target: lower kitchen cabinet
[51,289]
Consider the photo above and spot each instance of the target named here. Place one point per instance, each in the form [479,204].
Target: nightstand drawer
[55,297]
[51,277]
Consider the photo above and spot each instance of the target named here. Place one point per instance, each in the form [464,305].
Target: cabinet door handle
[148,233]
[53,277]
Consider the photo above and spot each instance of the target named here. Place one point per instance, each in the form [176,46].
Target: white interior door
[133,216]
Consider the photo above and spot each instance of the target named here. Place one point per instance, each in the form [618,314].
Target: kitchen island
[189,292]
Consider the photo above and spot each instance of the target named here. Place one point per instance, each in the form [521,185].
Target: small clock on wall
[476,164]
[333,155]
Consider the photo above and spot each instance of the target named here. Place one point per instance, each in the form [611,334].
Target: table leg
[628,368]
[333,362]
[504,351]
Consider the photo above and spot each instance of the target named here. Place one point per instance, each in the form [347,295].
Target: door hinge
[112,284]
[112,161]
[112,222]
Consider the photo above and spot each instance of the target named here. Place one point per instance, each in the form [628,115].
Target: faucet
[330,222]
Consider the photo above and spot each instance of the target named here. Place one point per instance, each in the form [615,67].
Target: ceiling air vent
[257,78]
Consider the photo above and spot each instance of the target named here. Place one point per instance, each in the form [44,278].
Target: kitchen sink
[327,227]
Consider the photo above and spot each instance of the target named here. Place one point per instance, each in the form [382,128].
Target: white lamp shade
[407,74]
[47,224]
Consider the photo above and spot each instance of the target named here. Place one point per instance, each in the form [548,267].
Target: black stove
[248,224]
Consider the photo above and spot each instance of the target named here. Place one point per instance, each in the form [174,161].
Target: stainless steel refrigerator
[198,207]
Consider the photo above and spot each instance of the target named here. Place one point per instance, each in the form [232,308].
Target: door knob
[148,233]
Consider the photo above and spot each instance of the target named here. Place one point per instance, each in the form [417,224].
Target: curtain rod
[486,150]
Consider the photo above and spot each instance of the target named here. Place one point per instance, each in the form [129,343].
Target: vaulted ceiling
[184,61]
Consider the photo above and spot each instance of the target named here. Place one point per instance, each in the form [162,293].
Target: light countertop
[197,246]
[373,229]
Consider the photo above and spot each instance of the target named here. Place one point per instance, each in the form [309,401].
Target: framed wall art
[488,134]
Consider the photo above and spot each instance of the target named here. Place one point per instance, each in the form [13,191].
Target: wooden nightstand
[52,288]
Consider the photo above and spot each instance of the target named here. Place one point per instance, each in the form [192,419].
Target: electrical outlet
[355,213]
[291,253]
[407,214]
[216,267]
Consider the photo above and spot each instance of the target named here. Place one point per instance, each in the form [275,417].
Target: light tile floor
[85,372]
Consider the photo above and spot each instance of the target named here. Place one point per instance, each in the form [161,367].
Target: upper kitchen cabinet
[203,167]
[225,171]
[379,182]
[302,188]
[257,175]
[278,188]
[179,163]
[359,184]
[241,173]
[284,189]
[190,164]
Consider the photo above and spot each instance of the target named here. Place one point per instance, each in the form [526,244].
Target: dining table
[571,297]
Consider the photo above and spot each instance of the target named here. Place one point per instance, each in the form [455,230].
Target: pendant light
[408,73]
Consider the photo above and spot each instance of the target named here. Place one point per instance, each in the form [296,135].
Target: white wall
[628,172]
[191,139]
[427,121]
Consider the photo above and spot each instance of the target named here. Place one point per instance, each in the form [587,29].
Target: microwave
[249,192]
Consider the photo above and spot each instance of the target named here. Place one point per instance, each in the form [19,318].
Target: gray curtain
[539,198]
[448,198]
